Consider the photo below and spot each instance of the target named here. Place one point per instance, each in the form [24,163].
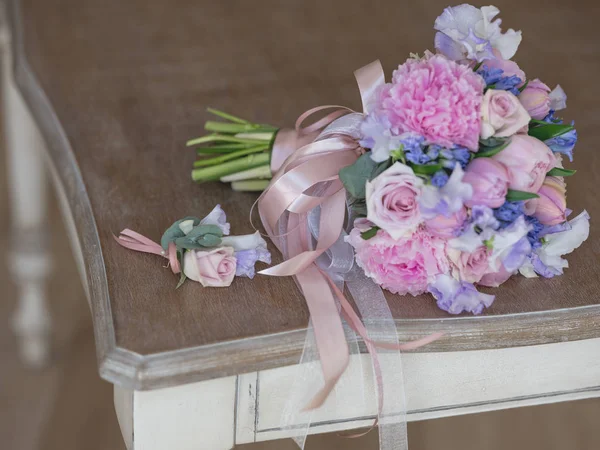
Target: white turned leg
[198,416]
[28,258]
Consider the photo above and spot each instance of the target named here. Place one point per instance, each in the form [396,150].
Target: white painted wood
[28,258]
[246,407]
[215,414]
[445,384]
[123,399]
[197,416]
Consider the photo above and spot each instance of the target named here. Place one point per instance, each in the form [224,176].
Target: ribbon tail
[328,329]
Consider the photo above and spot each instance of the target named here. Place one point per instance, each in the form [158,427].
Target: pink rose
[211,268]
[535,98]
[502,114]
[470,266]
[508,67]
[550,208]
[403,266]
[495,279]
[446,227]
[528,160]
[489,180]
[392,200]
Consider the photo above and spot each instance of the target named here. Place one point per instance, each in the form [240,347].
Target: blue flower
[494,78]
[536,232]
[439,179]
[508,213]
[509,84]
[565,143]
[460,155]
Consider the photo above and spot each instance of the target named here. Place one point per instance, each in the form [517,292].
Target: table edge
[143,372]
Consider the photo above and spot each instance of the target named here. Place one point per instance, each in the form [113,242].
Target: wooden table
[114,89]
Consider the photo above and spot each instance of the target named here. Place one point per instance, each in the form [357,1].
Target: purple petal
[448,46]
[217,217]
[246,259]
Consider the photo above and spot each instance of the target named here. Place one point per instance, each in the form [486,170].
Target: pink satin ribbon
[289,198]
[135,241]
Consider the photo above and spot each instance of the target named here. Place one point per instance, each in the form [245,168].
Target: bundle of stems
[236,151]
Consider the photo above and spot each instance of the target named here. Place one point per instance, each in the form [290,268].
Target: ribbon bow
[308,178]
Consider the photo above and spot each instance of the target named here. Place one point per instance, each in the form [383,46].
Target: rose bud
[502,114]
[489,180]
[212,268]
[550,208]
[527,160]
[535,98]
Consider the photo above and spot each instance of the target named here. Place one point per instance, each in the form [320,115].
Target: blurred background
[66,406]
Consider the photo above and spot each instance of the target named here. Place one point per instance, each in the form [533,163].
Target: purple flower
[516,255]
[375,129]
[469,32]
[247,258]
[456,296]
[217,217]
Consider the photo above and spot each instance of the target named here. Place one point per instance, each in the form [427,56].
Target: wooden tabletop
[119,86]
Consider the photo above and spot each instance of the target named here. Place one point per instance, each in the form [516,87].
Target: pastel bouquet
[457,175]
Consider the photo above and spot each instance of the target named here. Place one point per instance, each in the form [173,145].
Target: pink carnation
[403,266]
[436,98]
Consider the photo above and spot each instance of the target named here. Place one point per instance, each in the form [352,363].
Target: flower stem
[230,156]
[250,185]
[224,115]
[261,172]
[219,138]
[215,172]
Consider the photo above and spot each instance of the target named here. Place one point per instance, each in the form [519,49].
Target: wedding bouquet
[458,176]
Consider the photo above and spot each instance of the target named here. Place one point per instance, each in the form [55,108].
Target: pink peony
[403,266]
[436,98]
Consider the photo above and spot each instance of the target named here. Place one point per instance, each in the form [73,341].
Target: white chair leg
[197,416]
[28,258]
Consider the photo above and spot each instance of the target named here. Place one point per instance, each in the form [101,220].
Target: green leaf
[186,243]
[355,177]
[426,169]
[380,168]
[359,206]
[209,241]
[182,279]
[371,232]
[201,230]
[522,88]
[174,232]
[491,142]
[486,151]
[549,131]
[558,172]
[515,196]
